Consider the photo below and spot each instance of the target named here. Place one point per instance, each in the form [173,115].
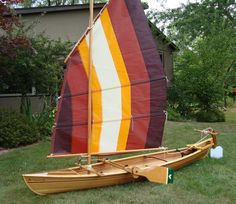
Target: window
[161,53]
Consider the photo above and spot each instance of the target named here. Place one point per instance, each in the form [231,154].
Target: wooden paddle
[156,174]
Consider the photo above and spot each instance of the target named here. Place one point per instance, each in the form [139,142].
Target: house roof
[55,9]
[162,36]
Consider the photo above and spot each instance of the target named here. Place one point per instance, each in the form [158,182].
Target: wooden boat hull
[48,185]
[77,178]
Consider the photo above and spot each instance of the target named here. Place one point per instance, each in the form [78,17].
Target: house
[69,23]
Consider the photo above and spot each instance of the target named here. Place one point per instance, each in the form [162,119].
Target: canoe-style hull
[109,173]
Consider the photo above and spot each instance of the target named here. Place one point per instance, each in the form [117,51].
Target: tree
[40,67]
[9,43]
[8,22]
[189,22]
[205,69]
[28,60]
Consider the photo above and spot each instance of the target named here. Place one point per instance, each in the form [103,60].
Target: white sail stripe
[111,99]
[108,141]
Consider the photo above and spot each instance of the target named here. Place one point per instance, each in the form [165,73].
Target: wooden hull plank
[77,178]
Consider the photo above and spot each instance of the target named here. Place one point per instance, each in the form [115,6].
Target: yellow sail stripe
[96,97]
[123,77]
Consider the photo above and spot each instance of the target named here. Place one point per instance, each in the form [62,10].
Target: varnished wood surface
[78,178]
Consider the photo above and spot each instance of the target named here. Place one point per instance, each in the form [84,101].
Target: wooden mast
[90,81]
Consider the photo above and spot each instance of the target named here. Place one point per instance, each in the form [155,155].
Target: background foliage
[45,119]
[16,130]
[28,60]
[40,66]
[205,67]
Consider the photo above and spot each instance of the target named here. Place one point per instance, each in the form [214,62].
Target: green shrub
[231,101]
[173,115]
[180,102]
[210,116]
[44,121]
[16,129]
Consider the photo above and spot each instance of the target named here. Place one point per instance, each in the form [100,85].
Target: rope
[205,132]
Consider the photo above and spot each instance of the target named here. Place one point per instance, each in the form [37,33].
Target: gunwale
[77,178]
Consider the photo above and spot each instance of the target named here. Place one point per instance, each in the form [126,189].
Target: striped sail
[128,86]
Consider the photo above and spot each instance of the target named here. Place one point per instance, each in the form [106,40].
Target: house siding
[66,25]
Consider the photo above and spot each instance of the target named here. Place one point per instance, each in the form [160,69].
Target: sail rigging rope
[205,132]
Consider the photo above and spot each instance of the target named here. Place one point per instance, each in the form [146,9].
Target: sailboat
[113,101]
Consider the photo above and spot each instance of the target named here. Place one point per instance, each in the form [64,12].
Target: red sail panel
[70,129]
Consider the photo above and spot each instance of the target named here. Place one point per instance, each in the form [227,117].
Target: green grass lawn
[207,181]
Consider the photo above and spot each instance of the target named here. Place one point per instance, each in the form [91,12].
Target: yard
[207,181]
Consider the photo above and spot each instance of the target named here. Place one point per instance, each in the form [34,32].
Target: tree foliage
[28,60]
[16,130]
[40,67]
[192,21]
[205,68]
[8,22]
